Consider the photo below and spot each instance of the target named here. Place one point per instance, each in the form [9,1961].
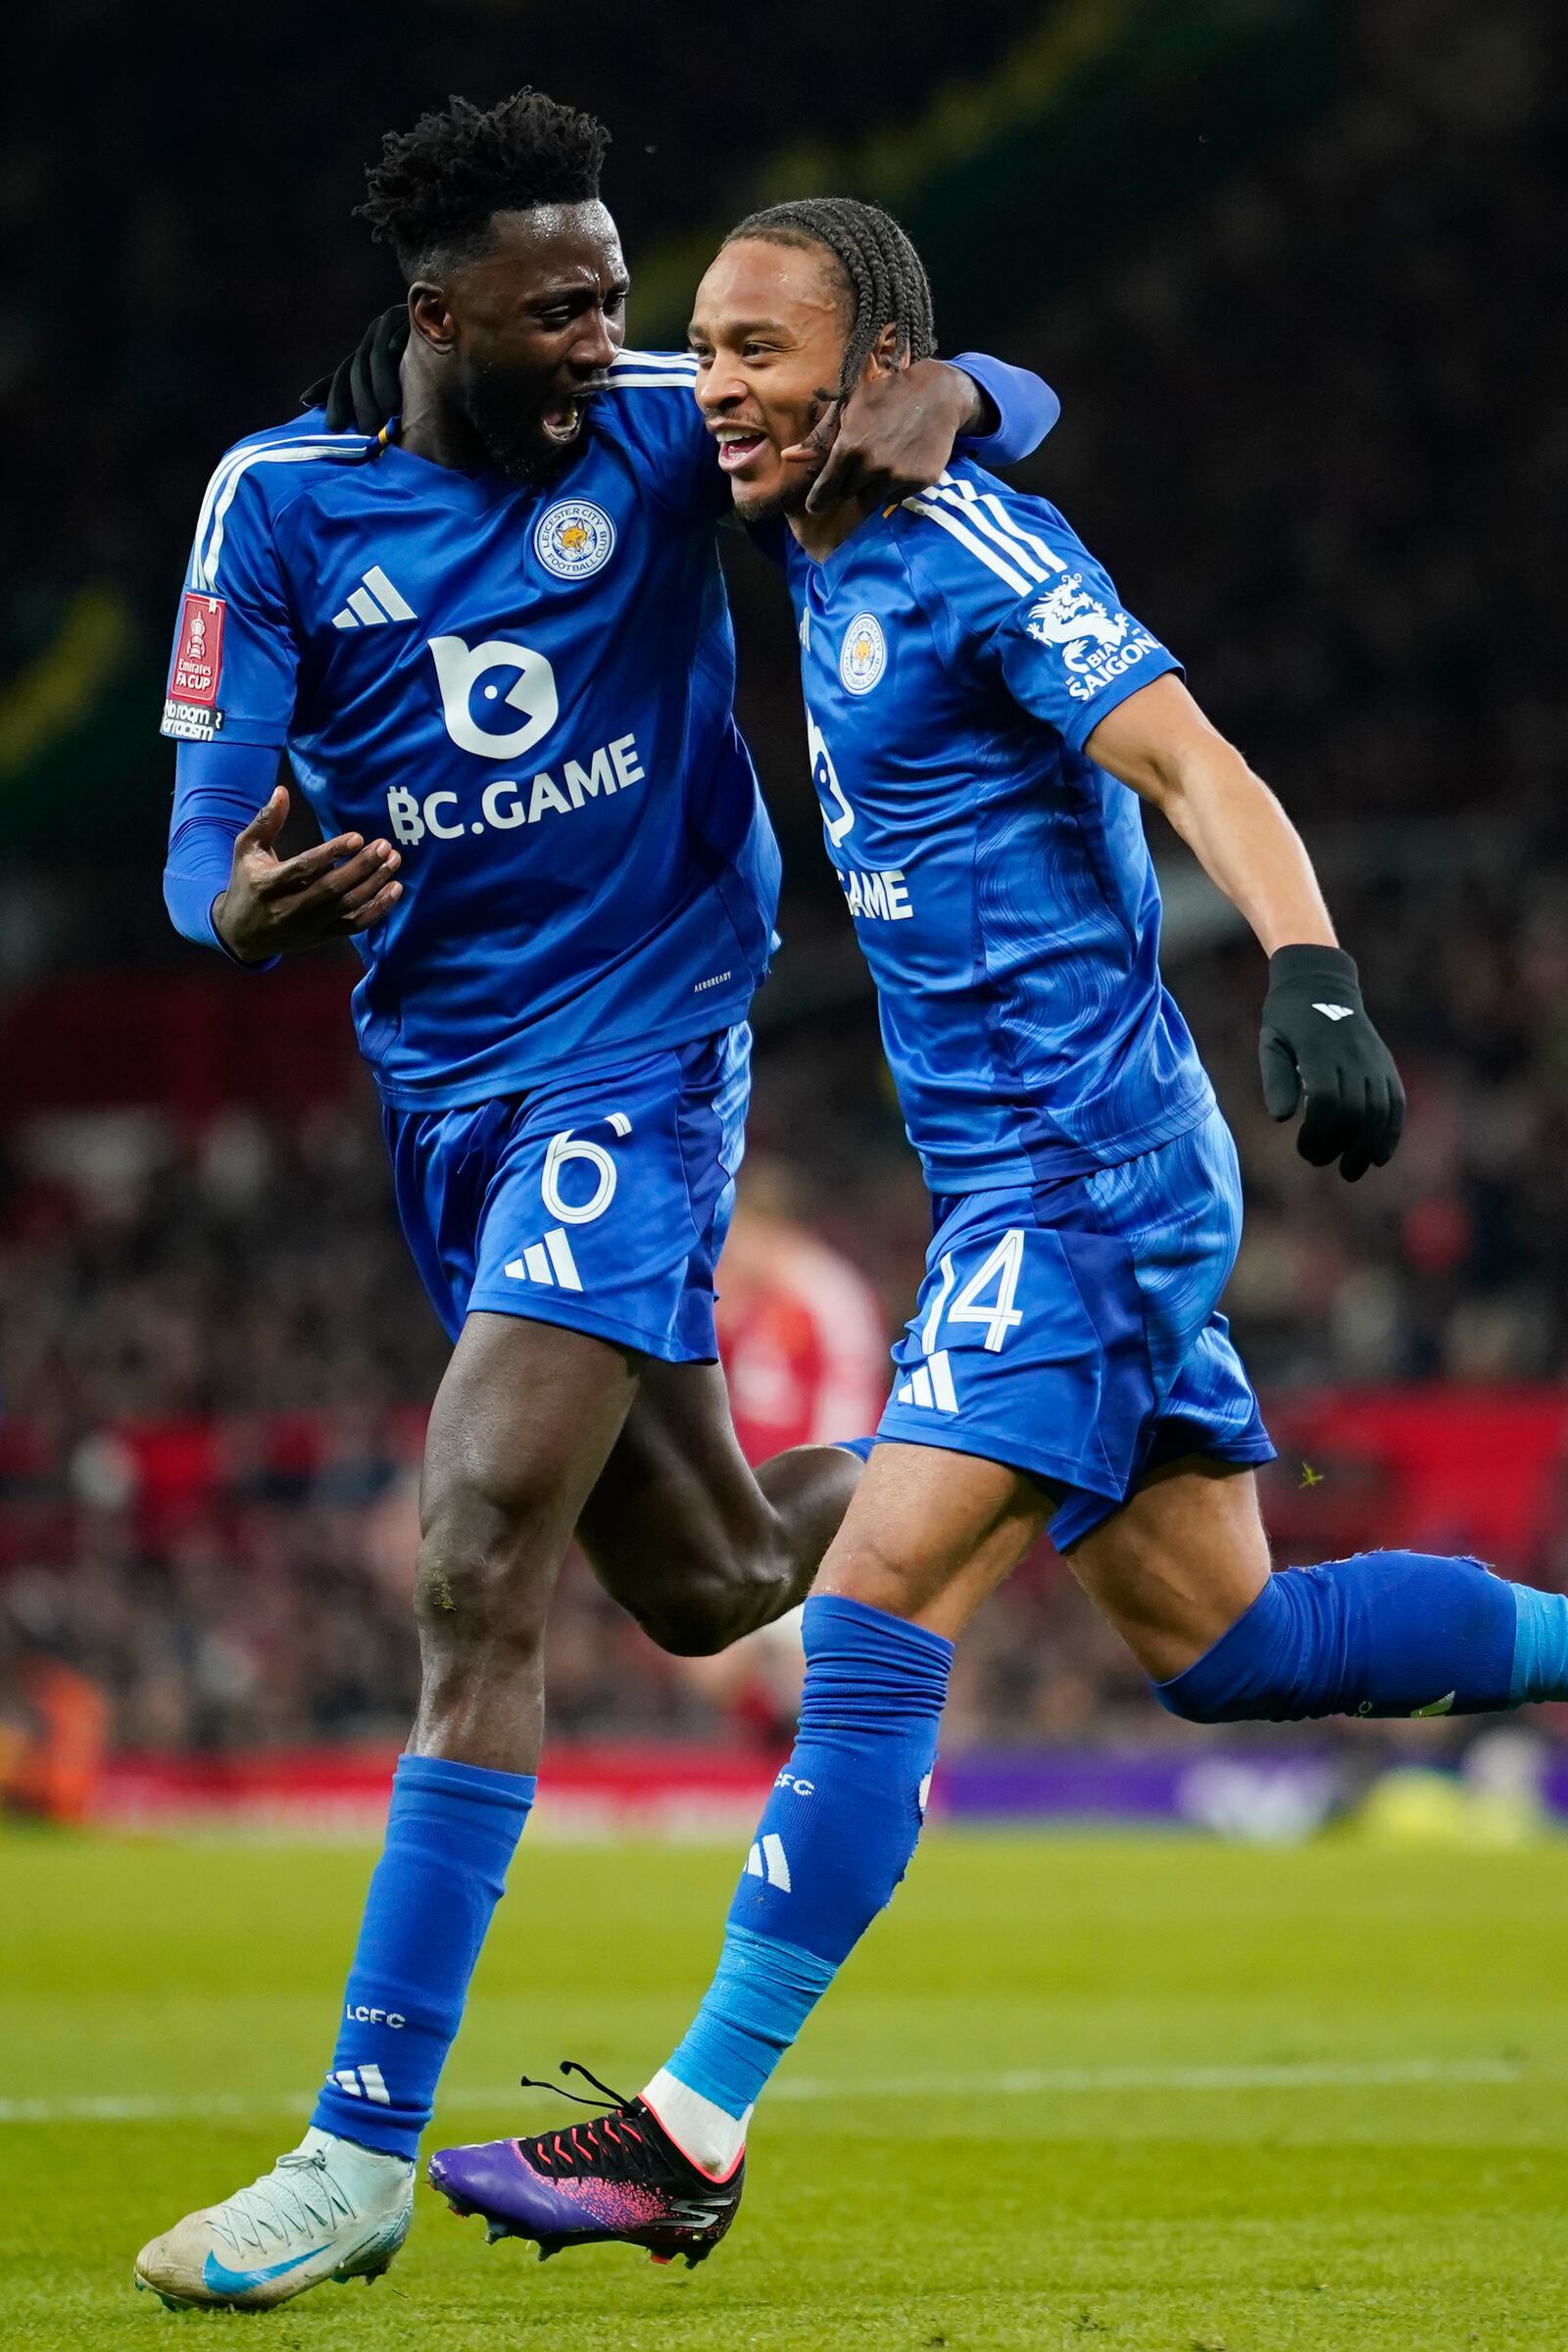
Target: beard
[773,505]
[507,413]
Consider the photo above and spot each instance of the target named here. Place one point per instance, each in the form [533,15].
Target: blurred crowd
[215,1358]
[1312,421]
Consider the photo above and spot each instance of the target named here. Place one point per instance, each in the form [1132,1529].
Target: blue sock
[449,1835]
[1540,1651]
[1388,1633]
[833,1842]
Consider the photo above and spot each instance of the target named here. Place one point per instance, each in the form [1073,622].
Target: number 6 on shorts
[569,1146]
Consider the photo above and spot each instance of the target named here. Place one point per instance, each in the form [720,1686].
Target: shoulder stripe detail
[1009,522]
[219,475]
[348,446]
[656,361]
[944,515]
[987,515]
[652,371]
[977,520]
[634,383]
[252,449]
[225,481]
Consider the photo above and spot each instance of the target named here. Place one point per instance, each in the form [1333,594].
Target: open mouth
[561,420]
[738,446]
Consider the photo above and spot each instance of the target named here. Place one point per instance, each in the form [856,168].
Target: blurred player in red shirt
[801,1330]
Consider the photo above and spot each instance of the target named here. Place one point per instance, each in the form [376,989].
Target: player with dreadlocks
[889,295]
[984,718]
[493,638]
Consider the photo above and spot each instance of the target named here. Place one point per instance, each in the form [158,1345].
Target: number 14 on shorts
[986,1296]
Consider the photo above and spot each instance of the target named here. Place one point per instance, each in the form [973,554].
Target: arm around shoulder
[1022,410]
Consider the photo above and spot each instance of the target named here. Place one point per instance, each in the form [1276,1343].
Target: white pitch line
[1030,2082]
[1016,2083]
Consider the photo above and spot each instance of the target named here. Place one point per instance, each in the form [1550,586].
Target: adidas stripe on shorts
[599,1200]
[1072,1330]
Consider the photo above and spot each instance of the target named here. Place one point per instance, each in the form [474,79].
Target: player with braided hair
[885,274]
[885,280]
[981,712]
[874,295]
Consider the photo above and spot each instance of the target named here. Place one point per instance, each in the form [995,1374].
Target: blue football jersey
[530,691]
[956,652]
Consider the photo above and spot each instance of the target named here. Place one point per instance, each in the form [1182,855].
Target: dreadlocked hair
[435,188]
[884,277]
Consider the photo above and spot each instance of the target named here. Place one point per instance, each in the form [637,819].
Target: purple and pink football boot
[616,2177]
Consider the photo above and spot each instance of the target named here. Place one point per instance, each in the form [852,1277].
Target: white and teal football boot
[329,2209]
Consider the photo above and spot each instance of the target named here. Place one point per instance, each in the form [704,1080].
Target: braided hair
[883,275]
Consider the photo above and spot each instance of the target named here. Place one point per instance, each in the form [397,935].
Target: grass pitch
[1125,2095]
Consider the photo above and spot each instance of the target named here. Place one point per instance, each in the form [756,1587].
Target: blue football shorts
[1072,1329]
[599,1200]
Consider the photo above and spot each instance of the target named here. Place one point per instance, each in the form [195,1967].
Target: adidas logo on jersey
[930,1386]
[766,1861]
[550,1263]
[373,602]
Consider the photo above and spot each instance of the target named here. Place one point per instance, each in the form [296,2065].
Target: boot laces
[615,2141]
[301,2197]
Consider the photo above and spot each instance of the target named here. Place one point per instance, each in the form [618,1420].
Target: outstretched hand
[274,905]
[891,436]
[1318,1042]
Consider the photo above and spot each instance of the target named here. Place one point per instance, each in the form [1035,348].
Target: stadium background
[1286,262]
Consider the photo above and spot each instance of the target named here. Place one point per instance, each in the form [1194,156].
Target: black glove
[1318,1040]
[364,390]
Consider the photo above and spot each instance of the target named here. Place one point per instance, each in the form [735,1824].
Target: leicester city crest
[574,538]
[865,654]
